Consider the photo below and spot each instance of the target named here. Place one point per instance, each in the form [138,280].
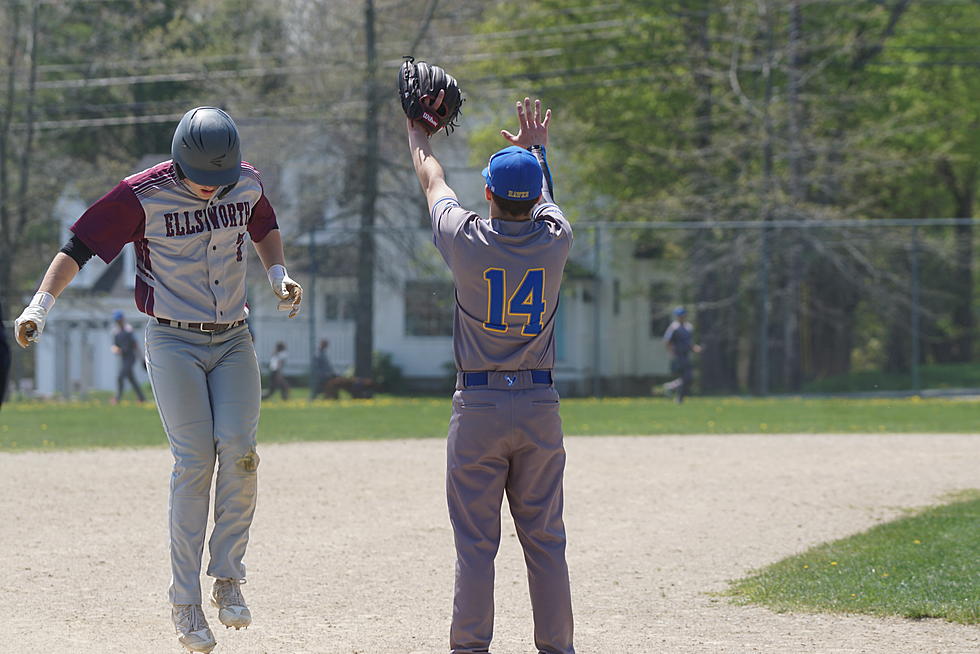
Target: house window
[429,308]
[338,306]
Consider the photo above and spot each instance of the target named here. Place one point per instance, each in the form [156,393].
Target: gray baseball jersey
[505,433]
[507,276]
[190,253]
[190,268]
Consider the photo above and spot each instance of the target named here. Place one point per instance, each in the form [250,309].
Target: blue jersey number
[528,300]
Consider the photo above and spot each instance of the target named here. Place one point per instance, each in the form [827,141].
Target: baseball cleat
[192,628]
[226,596]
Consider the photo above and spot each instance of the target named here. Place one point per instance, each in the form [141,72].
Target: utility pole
[364,336]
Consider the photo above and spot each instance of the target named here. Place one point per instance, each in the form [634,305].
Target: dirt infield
[352,553]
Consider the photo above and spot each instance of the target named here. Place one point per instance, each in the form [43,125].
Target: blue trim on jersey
[435,205]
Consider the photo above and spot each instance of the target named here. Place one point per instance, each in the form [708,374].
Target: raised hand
[533,125]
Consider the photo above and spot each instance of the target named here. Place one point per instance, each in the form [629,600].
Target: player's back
[507,276]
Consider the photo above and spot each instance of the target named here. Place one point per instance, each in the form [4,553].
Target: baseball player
[189,220]
[679,340]
[505,433]
[124,346]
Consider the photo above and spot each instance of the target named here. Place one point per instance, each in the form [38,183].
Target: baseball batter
[505,433]
[189,219]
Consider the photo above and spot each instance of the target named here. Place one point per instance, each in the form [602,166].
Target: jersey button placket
[212,260]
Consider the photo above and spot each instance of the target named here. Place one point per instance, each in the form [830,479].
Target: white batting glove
[289,292]
[29,325]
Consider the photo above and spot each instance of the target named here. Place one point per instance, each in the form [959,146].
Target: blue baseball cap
[117,314]
[514,174]
[680,311]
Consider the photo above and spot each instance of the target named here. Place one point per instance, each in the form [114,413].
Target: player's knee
[193,476]
[248,462]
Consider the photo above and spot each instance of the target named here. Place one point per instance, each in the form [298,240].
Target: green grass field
[921,566]
[44,425]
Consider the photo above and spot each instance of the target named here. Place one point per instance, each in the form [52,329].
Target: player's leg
[235,387]
[175,363]
[687,379]
[534,491]
[131,376]
[120,381]
[476,469]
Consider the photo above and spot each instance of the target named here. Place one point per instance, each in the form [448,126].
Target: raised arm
[429,171]
[533,135]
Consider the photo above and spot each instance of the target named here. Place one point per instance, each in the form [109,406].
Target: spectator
[4,358]
[277,370]
[125,347]
[323,370]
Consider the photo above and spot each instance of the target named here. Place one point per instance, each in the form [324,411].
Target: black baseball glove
[418,81]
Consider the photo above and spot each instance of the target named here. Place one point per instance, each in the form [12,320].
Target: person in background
[679,339]
[277,376]
[125,347]
[4,359]
[323,370]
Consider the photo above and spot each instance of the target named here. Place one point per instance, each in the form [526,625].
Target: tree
[741,111]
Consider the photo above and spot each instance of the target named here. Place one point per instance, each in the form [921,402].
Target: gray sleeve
[448,219]
[550,212]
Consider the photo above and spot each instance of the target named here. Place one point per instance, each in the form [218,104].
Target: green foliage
[921,566]
[42,425]
[387,376]
[667,112]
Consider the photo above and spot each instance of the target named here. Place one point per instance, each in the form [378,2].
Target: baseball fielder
[505,432]
[679,340]
[188,219]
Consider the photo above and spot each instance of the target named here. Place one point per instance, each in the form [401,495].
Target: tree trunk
[964,323]
[718,372]
[794,275]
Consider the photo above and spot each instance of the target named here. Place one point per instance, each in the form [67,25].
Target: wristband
[276,273]
[42,299]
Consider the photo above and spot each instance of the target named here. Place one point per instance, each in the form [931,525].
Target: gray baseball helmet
[206,148]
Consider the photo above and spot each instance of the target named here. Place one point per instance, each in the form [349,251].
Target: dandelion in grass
[833,563]
[916,542]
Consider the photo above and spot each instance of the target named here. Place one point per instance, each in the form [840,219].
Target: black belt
[483,378]
[208,327]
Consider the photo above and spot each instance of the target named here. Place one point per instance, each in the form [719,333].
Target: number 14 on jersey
[527,300]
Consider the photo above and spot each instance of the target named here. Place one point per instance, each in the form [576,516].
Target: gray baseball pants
[506,436]
[207,390]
